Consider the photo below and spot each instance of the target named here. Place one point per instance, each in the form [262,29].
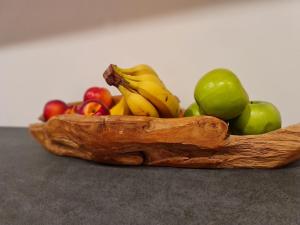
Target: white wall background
[258,40]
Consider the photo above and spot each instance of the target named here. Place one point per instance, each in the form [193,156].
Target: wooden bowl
[193,142]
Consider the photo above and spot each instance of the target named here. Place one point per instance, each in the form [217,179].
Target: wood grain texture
[193,142]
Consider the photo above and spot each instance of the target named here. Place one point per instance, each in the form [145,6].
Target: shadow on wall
[33,19]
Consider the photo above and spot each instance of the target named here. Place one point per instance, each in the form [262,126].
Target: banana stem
[112,78]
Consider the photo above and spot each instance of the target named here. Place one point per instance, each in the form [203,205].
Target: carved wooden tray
[194,142]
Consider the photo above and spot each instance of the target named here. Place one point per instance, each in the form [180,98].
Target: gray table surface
[37,187]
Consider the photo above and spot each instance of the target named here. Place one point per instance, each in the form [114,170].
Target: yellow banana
[142,81]
[166,103]
[120,109]
[138,70]
[137,104]
[138,75]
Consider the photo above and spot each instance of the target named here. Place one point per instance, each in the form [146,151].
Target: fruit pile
[218,93]
[143,94]
[96,101]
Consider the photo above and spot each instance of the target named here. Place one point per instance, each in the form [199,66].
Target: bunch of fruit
[220,93]
[96,101]
[143,94]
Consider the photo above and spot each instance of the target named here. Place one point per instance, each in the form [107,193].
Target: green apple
[258,117]
[220,93]
[193,110]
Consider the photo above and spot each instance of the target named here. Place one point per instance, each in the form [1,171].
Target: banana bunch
[143,92]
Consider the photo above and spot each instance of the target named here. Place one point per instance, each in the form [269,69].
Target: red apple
[99,93]
[54,108]
[93,107]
